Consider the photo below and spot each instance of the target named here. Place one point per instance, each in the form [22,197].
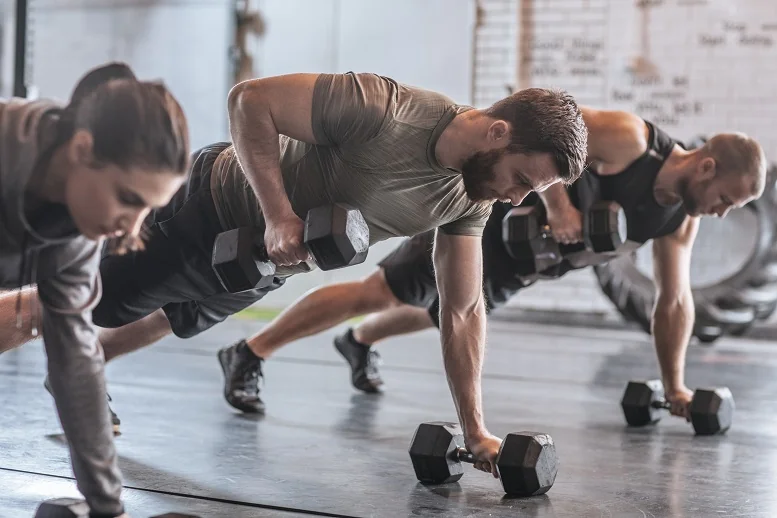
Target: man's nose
[518,195]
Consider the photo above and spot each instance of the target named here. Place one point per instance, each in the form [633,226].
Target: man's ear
[707,168]
[499,133]
[81,148]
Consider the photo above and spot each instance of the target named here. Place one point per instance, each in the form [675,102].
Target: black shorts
[174,271]
[409,269]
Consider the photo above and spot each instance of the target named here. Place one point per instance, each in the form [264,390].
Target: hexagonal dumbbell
[604,229]
[527,462]
[711,410]
[76,508]
[335,236]
[528,239]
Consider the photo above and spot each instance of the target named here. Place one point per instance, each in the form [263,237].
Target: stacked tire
[731,305]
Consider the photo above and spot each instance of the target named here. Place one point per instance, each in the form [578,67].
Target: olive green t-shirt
[375,152]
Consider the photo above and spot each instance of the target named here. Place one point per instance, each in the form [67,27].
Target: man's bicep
[458,263]
[672,258]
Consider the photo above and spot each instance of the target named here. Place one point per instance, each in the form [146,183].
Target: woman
[69,177]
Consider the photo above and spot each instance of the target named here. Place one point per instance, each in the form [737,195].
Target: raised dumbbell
[604,229]
[335,236]
[711,410]
[527,462]
[75,508]
[529,240]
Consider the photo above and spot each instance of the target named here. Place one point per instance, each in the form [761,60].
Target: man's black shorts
[174,271]
[409,269]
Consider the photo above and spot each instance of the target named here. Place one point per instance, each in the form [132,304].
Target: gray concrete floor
[323,448]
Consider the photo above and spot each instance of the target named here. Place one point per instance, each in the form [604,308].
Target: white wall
[184,43]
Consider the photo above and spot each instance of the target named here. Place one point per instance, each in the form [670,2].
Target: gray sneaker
[242,377]
[364,362]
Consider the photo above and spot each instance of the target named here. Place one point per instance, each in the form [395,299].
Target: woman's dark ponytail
[97,77]
[133,123]
[87,85]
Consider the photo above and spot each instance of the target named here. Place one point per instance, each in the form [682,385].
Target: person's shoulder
[22,115]
[421,106]
[616,138]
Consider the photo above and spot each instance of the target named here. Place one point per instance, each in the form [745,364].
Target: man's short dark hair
[546,121]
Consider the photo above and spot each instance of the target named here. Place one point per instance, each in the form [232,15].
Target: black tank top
[632,189]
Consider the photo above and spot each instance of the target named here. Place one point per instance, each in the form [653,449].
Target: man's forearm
[255,138]
[672,328]
[463,335]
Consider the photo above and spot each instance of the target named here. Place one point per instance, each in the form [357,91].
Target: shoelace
[373,362]
[251,377]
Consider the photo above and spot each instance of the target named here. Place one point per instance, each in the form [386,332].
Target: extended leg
[134,336]
[317,310]
[321,309]
[392,322]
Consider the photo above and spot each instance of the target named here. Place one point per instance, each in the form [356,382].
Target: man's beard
[690,204]
[478,172]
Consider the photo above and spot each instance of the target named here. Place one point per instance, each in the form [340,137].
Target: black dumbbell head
[526,242]
[712,411]
[432,452]
[605,227]
[637,399]
[527,463]
[63,508]
[336,236]
[236,263]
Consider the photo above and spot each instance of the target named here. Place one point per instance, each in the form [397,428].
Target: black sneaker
[115,421]
[364,362]
[242,376]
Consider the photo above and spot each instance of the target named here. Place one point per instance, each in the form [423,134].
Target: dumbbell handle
[262,255]
[661,403]
[565,248]
[464,455]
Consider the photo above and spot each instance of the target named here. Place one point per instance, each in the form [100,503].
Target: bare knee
[376,294]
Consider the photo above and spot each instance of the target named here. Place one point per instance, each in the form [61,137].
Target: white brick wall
[495,50]
[694,67]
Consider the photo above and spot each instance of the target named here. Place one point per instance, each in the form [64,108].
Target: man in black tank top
[663,189]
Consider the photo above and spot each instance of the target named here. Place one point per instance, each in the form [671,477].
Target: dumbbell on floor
[75,508]
[334,235]
[711,411]
[529,241]
[527,462]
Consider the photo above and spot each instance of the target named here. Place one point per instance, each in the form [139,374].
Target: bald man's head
[740,156]
[730,171]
